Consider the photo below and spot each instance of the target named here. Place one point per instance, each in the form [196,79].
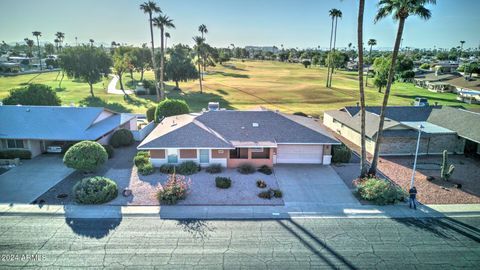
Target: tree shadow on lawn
[98,102]
[233,67]
[197,101]
[230,74]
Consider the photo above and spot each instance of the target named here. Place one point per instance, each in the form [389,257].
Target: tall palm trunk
[334,44]
[330,51]
[155,71]
[162,51]
[391,73]
[368,70]
[363,159]
[39,54]
[200,73]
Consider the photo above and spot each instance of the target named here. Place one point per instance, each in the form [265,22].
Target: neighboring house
[37,127]
[231,138]
[445,128]
[435,82]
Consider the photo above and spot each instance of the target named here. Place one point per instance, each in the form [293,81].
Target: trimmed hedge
[95,190]
[146,168]
[341,154]
[265,170]
[121,137]
[223,182]
[151,114]
[85,156]
[15,153]
[188,168]
[109,150]
[168,168]
[246,168]
[214,168]
[170,107]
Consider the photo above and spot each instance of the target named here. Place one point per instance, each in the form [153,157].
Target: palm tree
[363,158]
[401,10]
[162,22]
[199,43]
[91,41]
[167,36]
[60,36]
[371,42]
[203,29]
[461,47]
[149,8]
[335,14]
[38,34]
[57,42]
[30,43]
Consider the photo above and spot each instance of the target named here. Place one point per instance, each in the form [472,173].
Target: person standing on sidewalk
[413,197]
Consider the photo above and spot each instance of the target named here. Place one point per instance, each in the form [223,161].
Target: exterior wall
[188,153]
[34,147]
[233,163]
[140,134]
[450,142]
[432,145]
[133,124]
[105,139]
[346,132]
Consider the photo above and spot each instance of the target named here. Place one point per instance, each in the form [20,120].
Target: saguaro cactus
[446,170]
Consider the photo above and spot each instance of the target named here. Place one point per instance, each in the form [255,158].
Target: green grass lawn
[241,85]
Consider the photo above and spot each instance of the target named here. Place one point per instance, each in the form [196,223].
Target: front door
[172,155]
[204,155]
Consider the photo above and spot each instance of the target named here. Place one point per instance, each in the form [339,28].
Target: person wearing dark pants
[412,199]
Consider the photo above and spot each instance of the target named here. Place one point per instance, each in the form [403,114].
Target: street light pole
[420,127]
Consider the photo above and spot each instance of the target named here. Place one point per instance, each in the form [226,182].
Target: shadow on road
[199,229]
[93,227]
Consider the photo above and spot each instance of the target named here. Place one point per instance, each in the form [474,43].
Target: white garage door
[293,153]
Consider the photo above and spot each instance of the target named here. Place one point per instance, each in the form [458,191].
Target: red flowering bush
[176,188]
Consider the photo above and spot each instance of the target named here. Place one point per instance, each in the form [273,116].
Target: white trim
[312,143]
[193,147]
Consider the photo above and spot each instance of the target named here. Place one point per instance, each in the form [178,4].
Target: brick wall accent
[188,153]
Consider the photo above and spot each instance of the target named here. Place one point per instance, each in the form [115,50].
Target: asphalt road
[143,243]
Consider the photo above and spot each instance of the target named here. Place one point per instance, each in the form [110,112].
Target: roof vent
[254,124]
[242,127]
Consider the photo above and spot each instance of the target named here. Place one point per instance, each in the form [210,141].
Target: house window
[239,153]
[257,150]
[15,144]
[263,154]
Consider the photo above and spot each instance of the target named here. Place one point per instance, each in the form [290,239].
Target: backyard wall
[139,135]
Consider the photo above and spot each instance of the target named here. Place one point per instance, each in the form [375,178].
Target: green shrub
[188,168]
[170,107]
[151,114]
[265,170]
[146,168]
[246,168]
[121,137]
[425,66]
[265,195]
[85,156]
[168,168]
[15,153]
[214,168]
[379,191]
[140,160]
[95,190]
[33,94]
[277,193]
[300,114]
[261,184]
[109,150]
[223,182]
[341,154]
[67,146]
[176,188]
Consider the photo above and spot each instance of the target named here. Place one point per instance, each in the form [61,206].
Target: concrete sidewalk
[243,212]
[112,87]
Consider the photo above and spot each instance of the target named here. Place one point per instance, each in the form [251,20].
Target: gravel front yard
[202,192]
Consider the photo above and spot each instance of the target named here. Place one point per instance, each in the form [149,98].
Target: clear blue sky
[294,23]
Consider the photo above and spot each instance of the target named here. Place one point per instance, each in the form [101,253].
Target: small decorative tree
[170,107]
[446,170]
[85,156]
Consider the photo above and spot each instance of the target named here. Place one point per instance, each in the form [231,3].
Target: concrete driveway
[312,184]
[25,183]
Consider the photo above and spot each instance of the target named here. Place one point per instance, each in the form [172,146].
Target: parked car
[421,102]
[54,149]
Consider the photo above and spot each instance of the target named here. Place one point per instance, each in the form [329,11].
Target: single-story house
[35,128]
[435,81]
[230,138]
[444,128]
